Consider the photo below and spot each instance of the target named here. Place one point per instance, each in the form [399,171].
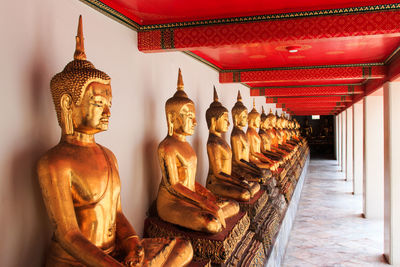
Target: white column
[358,147]
[392,172]
[339,131]
[373,157]
[349,143]
[344,135]
[335,125]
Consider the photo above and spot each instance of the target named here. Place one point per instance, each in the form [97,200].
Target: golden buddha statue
[268,137]
[254,138]
[181,200]
[281,134]
[241,164]
[80,182]
[220,179]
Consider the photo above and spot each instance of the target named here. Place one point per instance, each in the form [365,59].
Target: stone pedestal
[277,250]
[215,247]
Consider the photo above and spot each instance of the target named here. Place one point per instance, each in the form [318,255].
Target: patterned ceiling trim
[343,97]
[304,74]
[309,113]
[392,56]
[307,91]
[305,100]
[112,13]
[308,67]
[325,12]
[290,30]
[313,105]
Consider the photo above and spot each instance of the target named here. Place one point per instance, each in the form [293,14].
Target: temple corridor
[328,229]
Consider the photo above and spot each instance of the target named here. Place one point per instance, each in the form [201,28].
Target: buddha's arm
[128,239]
[259,157]
[170,173]
[55,184]
[265,142]
[215,156]
[237,145]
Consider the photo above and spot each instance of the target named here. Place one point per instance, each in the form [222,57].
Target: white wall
[38,41]
[358,147]
[373,155]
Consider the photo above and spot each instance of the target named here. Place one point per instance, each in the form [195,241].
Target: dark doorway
[319,132]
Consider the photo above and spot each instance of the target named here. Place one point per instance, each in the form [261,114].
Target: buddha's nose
[106,111]
[194,121]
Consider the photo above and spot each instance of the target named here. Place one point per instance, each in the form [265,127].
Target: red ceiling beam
[310,99]
[307,91]
[307,113]
[310,105]
[293,109]
[308,74]
[238,32]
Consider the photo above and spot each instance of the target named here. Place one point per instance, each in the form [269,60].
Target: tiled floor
[328,229]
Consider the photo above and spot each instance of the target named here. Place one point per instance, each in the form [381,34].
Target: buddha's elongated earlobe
[66,114]
[170,125]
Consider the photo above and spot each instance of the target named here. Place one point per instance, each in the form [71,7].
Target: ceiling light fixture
[293,49]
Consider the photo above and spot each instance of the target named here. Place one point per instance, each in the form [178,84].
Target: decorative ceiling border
[343,97]
[307,67]
[291,15]
[389,59]
[307,86]
[112,13]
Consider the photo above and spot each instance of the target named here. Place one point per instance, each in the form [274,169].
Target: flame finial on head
[180,81]
[215,95]
[239,96]
[80,47]
[262,110]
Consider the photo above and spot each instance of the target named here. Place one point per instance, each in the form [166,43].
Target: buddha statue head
[270,120]
[217,116]
[254,117]
[297,125]
[239,112]
[180,111]
[264,124]
[81,94]
[279,121]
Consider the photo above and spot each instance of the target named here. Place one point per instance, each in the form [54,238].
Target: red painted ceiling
[341,51]
[323,40]
[146,12]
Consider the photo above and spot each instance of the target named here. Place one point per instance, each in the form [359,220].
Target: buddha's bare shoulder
[166,145]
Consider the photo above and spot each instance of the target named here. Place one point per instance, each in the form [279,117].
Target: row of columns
[368,153]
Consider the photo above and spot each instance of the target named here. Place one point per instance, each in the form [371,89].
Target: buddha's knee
[182,253]
[210,223]
[255,187]
[231,209]
[245,195]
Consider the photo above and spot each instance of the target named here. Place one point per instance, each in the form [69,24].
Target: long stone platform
[277,252]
